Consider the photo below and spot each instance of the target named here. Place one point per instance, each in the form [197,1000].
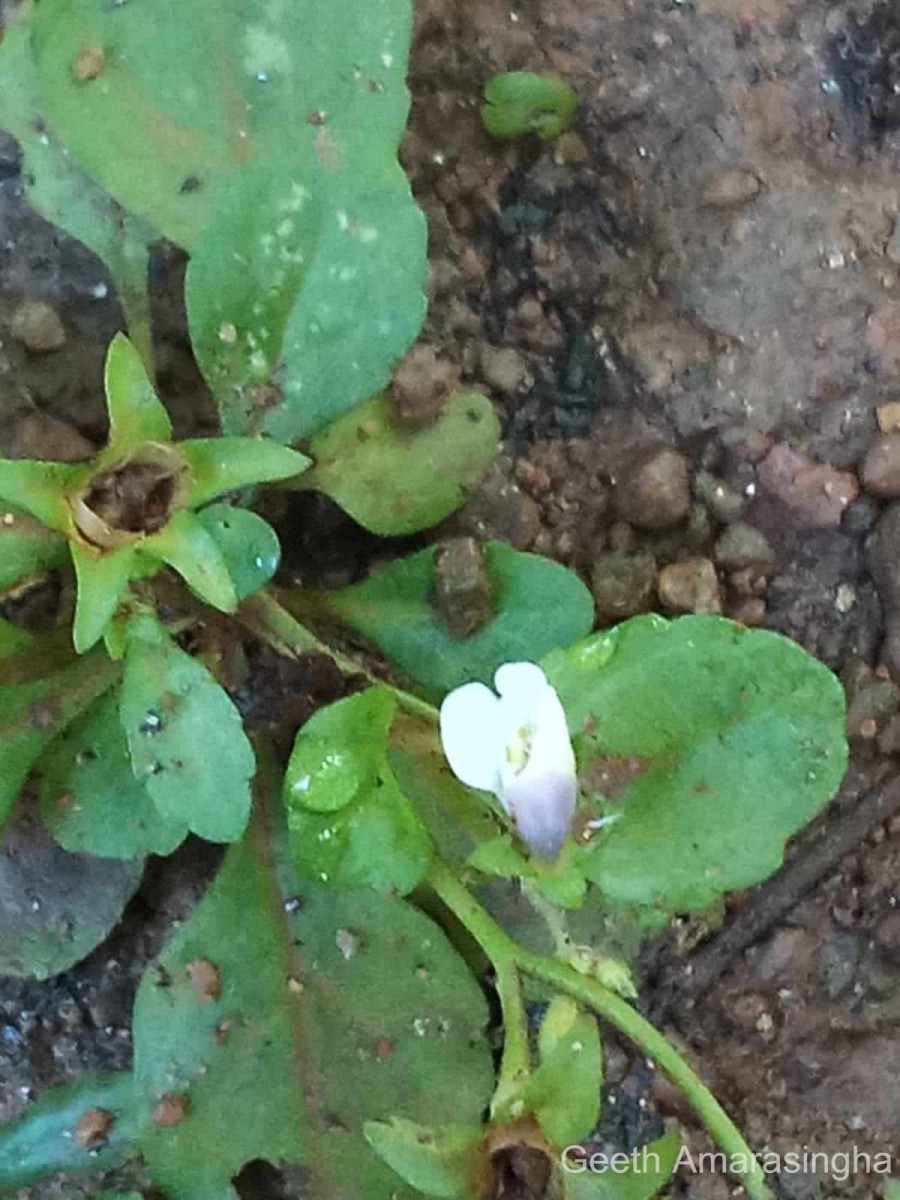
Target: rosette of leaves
[131,511]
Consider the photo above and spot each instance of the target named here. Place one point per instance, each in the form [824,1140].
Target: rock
[873,701]
[883,553]
[881,468]
[888,416]
[723,502]
[892,249]
[889,737]
[36,325]
[498,509]
[742,545]
[817,494]
[37,435]
[623,585]
[654,491]
[502,368]
[887,935]
[463,594]
[690,587]
[421,384]
[731,188]
[570,150]
[750,612]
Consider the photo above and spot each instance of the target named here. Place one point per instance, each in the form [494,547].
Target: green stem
[553,918]
[515,1063]
[271,621]
[130,274]
[498,945]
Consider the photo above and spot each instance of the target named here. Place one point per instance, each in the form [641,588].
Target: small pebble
[420,387]
[817,494]
[874,701]
[502,368]
[723,502]
[881,468]
[623,585]
[38,327]
[750,612]
[892,249]
[731,188]
[654,491]
[887,935]
[888,416]
[690,587]
[742,545]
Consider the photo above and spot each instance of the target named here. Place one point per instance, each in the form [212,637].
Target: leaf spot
[205,979]
[94,1127]
[170,1110]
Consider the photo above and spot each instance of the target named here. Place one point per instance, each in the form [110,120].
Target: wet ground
[688,313]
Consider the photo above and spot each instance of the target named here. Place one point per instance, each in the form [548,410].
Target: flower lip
[515,743]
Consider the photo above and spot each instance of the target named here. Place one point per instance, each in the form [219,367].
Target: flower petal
[541,796]
[551,745]
[470,735]
[542,805]
[521,686]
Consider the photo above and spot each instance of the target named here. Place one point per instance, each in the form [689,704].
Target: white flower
[515,744]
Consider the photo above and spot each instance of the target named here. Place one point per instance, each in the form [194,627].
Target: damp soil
[687,311]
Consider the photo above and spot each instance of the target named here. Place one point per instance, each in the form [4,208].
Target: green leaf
[13,639]
[561,882]
[340,751]
[186,94]
[734,740]
[41,489]
[350,824]
[41,1142]
[563,1094]
[79,900]
[91,801]
[439,1162]
[312,272]
[538,606]
[375,841]
[247,543]
[395,481]
[135,412]
[103,577]
[457,819]
[26,548]
[56,185]
[649,1170]
[186,740]
[33,713]
[289,1018]
[522,102]
[221,465]
[186,545]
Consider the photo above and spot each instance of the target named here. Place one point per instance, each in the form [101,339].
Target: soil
[687,311]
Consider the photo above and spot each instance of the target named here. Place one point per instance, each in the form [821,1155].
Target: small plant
[517,103]
[314,1010]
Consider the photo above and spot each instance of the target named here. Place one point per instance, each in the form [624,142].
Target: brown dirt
[712,264]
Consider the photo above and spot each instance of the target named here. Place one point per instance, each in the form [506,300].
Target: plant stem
[264,616]
[130,275]
[515,1063]
[499,947]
